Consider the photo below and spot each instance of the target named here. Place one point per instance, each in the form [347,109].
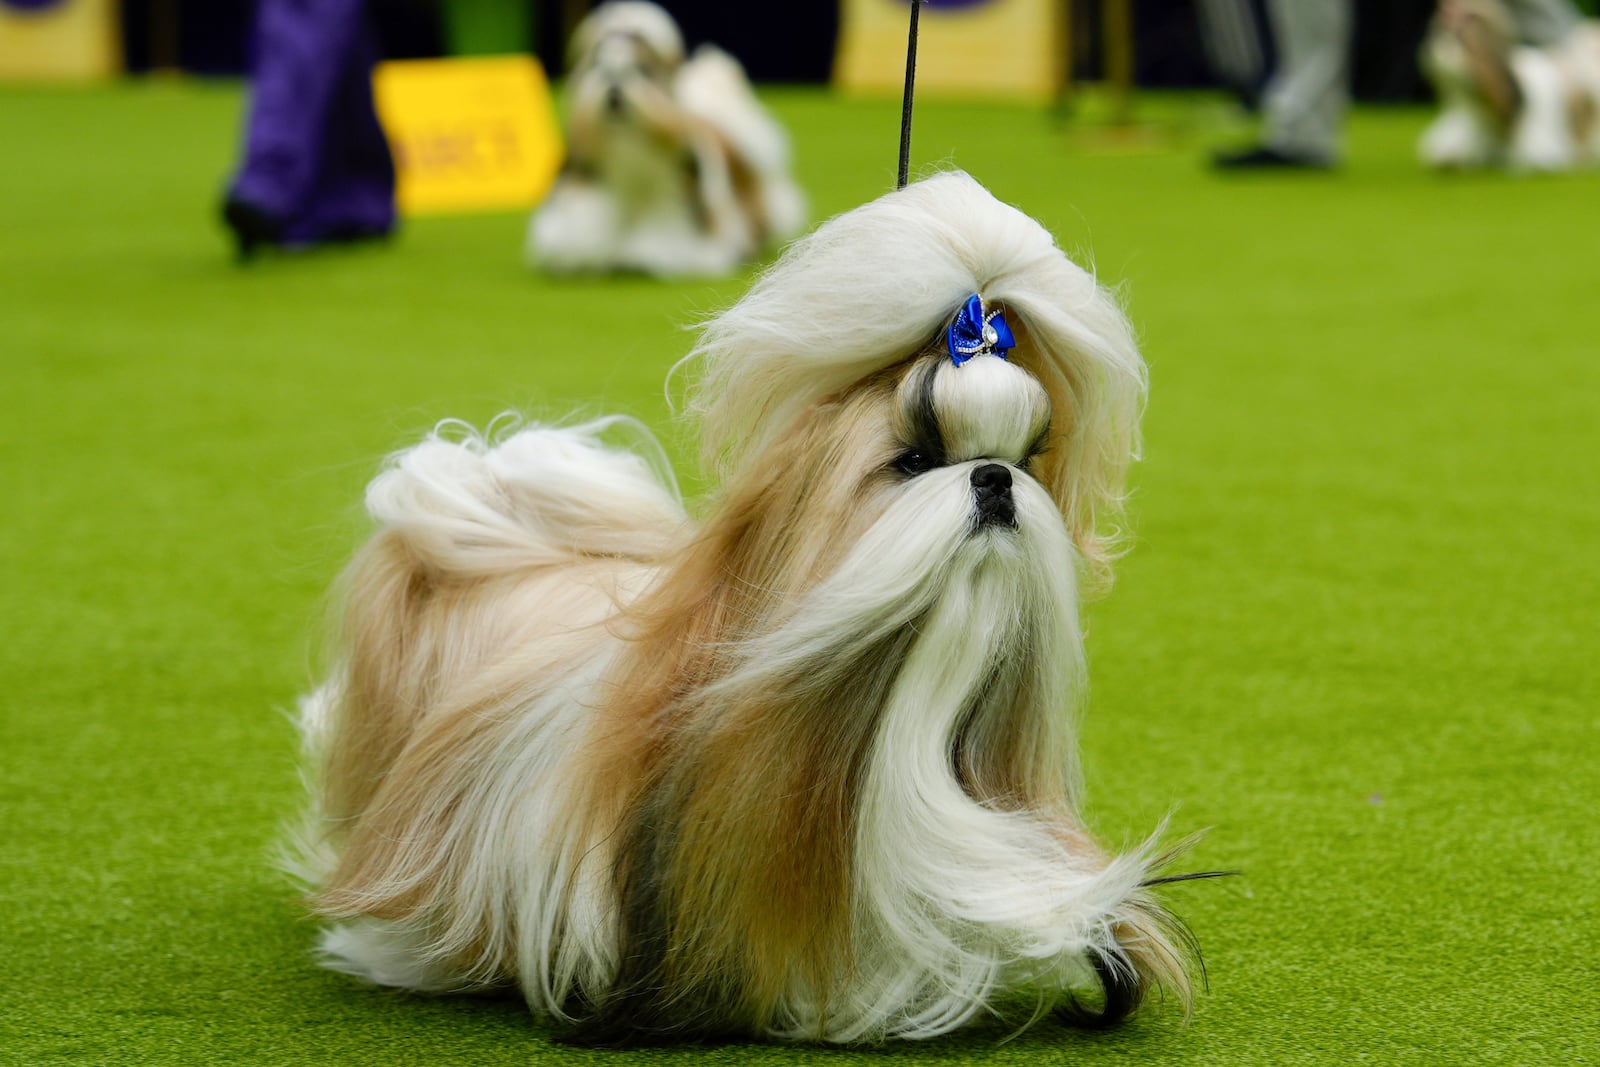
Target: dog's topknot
[640,19]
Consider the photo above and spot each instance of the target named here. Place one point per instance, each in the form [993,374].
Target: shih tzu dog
[804,769]
[1508,104]
[673,166]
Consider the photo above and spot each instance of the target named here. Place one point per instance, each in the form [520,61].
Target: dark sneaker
[1263,157]
[251,227]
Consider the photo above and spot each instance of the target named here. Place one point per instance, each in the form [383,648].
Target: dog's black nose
[614,99]
[993,477]
[991,491]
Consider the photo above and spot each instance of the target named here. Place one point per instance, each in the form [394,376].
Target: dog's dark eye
[1035,450]
[912,462]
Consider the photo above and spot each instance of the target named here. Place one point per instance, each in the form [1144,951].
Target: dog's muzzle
[991,490]
[616,104]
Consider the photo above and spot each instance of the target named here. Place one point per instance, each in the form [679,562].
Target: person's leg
[353,194]
[1232,38]
[304,51]
[1306,100]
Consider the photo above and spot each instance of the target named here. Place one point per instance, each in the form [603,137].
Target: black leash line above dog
[905,103]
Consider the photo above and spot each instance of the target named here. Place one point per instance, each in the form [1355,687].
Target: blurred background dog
[1507,103]
[674,168]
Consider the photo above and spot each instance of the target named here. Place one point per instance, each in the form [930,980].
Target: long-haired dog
[1508,104]
[673,167]
[804,769]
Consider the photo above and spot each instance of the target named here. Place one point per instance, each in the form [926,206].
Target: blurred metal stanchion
[1116,53]
[1116,43]
[164,40]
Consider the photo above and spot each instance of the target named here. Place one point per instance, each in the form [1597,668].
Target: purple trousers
[315,158]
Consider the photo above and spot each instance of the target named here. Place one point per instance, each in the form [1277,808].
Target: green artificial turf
[1356,635]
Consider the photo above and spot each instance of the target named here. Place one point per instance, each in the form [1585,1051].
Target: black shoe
[1263,157]
[251,227]
[355,233]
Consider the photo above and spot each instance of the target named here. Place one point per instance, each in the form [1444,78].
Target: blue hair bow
[974,333]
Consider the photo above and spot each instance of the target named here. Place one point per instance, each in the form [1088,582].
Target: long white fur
[955,902]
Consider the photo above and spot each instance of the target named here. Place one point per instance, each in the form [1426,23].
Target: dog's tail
[712,86]
[419,609]
[467,505]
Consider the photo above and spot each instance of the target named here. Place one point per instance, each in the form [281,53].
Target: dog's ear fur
[1485,32]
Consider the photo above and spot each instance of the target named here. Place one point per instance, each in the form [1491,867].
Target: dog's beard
[926,553]
[973,738]
[608,112]
[901,728]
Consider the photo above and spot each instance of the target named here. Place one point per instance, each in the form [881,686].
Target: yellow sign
[965,48]
[70,40]
[468,134]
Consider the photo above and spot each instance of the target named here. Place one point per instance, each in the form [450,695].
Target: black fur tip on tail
[1190,876]
[1122,992]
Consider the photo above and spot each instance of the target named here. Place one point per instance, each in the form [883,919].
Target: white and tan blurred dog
[673,167]
[805,769]
[1503,103]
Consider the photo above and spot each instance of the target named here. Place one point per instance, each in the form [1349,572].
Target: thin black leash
[905,104]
